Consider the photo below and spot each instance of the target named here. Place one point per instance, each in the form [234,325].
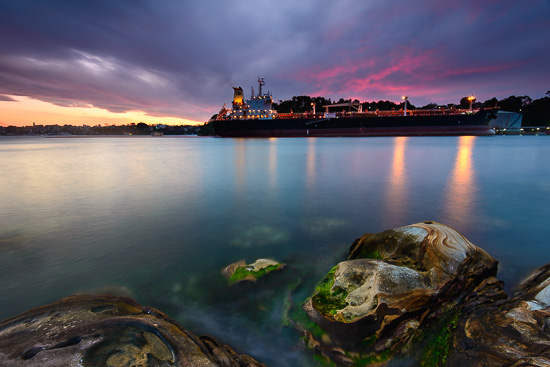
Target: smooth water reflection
[158,218]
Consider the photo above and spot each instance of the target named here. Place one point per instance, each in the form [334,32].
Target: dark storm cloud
[180,58]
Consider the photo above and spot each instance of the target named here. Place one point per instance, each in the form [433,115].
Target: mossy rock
[240,271]
[327,299]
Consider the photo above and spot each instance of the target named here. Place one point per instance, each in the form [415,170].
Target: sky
[175,61]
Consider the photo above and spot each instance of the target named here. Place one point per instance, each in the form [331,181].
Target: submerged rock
[240,271]
[321,226]
[95,331]
[395,285]
[260,236]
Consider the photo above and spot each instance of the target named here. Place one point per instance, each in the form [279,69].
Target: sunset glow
[24,111]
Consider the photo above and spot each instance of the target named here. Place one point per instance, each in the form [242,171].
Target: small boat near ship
[256,117]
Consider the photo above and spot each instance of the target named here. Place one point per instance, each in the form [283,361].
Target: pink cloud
[363,76]
[489,69]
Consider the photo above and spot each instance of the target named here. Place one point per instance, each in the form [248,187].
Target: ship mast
[261,82]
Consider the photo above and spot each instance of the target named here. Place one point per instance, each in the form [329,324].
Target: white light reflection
[273,163]
[310,163]
[240,166]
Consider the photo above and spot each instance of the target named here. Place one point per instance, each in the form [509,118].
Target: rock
[429,247]
[513,332]
[394,286]
[240,271]
[107,331]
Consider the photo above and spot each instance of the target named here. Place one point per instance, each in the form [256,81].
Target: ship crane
[222,112]
[355,105]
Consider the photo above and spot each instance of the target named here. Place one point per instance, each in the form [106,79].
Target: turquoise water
[158,218]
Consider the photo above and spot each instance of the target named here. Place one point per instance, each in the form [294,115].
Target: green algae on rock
[96,331]
[240,271]
[328,299]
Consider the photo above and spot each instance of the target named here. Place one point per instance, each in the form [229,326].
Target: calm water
[157,218]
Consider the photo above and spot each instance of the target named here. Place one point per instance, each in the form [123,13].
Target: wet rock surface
[512,332]
[107,331]
[395,286]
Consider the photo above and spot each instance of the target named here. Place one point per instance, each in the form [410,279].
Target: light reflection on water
[396,193]
[461,189]
[159,218]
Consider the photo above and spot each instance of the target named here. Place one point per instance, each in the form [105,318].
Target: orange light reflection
[460,199]
[396,194]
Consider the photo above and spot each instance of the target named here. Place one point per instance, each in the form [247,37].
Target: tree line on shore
[129,129]
[536,112]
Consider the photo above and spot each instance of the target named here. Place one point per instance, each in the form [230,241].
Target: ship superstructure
[258,107]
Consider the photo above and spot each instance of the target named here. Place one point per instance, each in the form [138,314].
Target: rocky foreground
[422,294]
[96,331]
[425,294]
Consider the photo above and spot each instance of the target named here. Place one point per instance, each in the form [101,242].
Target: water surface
[158,218]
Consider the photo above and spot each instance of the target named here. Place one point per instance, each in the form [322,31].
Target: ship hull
[442,125]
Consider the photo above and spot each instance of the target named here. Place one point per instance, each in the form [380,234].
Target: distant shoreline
[118,136]
[101,136]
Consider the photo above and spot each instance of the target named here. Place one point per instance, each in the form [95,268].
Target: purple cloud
[175,58]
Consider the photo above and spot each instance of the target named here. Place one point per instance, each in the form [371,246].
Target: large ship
[256,117]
